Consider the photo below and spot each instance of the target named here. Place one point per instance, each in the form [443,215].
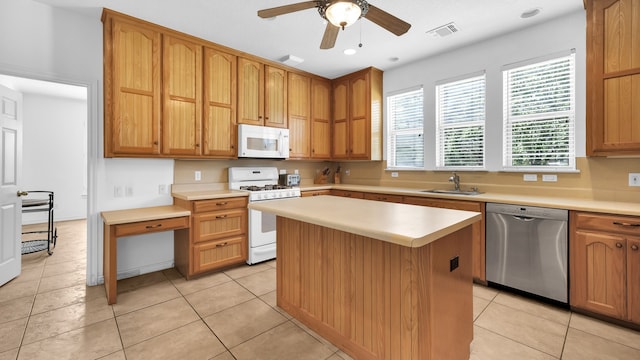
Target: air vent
[444,30]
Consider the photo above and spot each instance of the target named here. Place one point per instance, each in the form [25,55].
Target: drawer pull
[153,226]
[221,216]
[619,245]
[221,203]
[634,247]
[625,224]
[221,245]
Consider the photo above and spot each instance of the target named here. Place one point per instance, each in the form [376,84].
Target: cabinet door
[315,193]
[341,120]
[384,197]
[250,92]
[359,125]
[633,278]
[613,77]
[132,76]
[275,97]
[299,90]
[219,131]
[182,97]
[598,270]
[347,193]
[320,119]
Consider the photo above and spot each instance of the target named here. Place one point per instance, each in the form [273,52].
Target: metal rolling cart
[41,201]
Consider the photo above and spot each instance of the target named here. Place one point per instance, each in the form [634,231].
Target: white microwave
[262,142]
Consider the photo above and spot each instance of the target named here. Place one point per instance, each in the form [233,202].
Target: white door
[10,173]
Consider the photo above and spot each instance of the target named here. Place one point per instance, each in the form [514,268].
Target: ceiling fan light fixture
[343,13]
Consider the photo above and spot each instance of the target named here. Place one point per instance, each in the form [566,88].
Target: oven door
[262,236]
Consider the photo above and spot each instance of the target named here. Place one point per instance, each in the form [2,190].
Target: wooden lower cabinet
[605,264]
[384,197]
[218,236]
[478,229]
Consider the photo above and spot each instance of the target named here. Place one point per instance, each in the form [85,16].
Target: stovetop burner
[264,188]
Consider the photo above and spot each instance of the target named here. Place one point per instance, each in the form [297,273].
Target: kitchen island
[379,280]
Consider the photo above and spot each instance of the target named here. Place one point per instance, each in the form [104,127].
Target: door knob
[634,247]
[23,193]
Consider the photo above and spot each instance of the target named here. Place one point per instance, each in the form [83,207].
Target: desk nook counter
[379,280]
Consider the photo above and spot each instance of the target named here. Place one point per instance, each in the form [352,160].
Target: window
[405,141]
[460,119]
[539,115]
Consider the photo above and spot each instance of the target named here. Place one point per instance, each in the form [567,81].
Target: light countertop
[568,203]
[127,216]
[402,224]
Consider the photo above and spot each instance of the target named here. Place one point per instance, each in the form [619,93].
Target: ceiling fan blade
[387,21]
[330,36]
[286,9]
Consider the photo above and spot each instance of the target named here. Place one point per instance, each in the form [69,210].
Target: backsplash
[604,179]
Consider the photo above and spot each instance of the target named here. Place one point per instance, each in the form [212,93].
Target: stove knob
[264,196]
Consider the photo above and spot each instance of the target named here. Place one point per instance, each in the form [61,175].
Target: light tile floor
[49,313]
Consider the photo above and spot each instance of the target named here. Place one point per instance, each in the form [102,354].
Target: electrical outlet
[162,189]
[550,177]
[197,175]
[117,191]
[347,172]
[128,190]
[394,174]
[530,177]
[634,179]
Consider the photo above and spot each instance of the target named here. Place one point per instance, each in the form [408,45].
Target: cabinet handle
[221,245]
[221,216]
[153,226]
[619,245]
[155,143]
[197,145]
[634,247]
[625,224]
[221,203]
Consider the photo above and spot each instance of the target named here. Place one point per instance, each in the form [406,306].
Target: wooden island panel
[375,299]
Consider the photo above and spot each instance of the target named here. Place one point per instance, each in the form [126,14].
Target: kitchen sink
[452,192]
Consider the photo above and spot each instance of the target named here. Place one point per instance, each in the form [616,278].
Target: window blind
[460,123]
[539,115]
[405,139]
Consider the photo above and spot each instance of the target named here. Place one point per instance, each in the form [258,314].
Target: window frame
[509,120]
[391,148]
[440,127]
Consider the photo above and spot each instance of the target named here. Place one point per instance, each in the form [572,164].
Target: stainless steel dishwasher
[526,249]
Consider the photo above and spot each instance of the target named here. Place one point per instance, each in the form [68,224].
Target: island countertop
[402,224]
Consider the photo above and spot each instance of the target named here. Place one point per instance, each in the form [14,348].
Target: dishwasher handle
[523,218]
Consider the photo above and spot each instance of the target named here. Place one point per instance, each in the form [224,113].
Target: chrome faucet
[455,179]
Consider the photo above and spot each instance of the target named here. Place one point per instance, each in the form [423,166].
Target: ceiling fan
[340,14]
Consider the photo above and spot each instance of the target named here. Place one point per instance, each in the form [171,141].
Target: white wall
[54,156]
[47,43]
[561,34]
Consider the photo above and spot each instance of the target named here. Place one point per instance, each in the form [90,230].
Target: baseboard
[124,274]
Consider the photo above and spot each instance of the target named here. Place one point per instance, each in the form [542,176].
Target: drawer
[445,204]
[219,224]
[200,206]
[216,254]
[346,193]
[150,226]
[608,223]
[315,193]
[383,197]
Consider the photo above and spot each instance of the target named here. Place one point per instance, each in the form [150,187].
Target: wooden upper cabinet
[613,77]
[299,90]
[275,97]
[341,119]
[250,92]
[357,122]
[182,97]
[219,131]
[132,88]
[320,119]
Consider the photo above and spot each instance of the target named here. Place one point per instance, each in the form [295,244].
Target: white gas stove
[262,185]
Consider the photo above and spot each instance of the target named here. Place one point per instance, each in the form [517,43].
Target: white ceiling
[31,86]
[235,24]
